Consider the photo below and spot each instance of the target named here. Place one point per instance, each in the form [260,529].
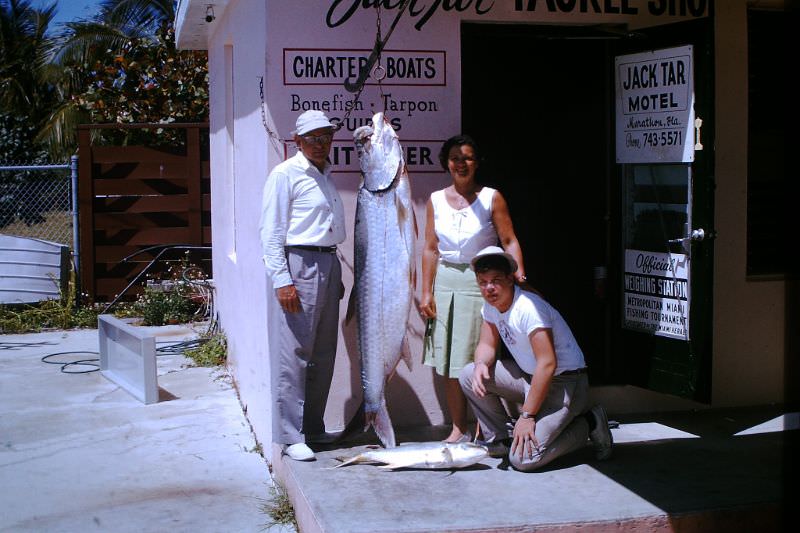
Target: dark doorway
[537,100]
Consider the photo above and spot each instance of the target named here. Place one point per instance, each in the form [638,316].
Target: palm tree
[117,24]
[23,44]
[26,98]
[119,27]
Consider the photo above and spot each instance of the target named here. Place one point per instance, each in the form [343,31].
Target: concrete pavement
[79,454]
[694,471]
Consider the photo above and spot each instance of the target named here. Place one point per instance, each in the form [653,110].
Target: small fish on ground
[422,455]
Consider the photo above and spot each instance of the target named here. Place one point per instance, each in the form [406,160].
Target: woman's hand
[427,306]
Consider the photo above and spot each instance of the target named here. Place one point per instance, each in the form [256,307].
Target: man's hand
[525,441]
[479,373]
[287,297]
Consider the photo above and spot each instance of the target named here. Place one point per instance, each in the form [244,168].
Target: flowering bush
[158,305]
[147,81]
[176,296]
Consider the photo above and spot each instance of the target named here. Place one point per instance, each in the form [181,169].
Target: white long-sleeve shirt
[300,206]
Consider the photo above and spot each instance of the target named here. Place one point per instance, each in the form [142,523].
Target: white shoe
[299,452]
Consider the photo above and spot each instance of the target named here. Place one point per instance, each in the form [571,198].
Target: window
[230,153]
[766,172]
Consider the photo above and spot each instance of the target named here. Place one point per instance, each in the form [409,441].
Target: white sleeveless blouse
[464,232]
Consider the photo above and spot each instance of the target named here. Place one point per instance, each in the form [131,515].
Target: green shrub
[60,313]
[279,508]
[212,352]
[159,305]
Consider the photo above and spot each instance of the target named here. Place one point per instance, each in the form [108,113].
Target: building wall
[748,346]
[748,363]
[412,395]
[239,159]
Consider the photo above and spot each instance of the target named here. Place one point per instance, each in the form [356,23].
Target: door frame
[695,353]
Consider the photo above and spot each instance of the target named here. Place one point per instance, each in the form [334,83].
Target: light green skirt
[451,343]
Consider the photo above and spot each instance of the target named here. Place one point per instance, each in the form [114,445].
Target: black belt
[573,372]
[323,249]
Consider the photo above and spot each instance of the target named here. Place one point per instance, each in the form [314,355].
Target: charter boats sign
[655,106]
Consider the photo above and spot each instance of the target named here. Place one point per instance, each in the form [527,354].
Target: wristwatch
[526,414]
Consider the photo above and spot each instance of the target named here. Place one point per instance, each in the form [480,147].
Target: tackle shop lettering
[694,8]
[341,11]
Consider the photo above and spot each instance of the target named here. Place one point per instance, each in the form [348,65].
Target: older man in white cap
[302,222]
[546,374]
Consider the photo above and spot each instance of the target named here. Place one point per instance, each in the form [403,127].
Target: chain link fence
[35,201]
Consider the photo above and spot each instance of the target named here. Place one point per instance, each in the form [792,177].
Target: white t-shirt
[464,232]
[529,312]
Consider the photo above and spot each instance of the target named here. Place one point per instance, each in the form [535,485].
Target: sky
[69,10]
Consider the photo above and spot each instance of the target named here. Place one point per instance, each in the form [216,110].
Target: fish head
[467,453]
[379,153]
[362,135]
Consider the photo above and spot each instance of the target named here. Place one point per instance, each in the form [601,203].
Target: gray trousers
[559,427]
[307,346]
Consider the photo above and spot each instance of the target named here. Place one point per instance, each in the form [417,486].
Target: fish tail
[382,424]
[352,460]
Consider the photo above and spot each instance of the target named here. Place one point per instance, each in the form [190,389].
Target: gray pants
[307,346]
[559,427]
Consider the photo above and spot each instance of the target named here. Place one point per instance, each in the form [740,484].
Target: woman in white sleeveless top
[462,219]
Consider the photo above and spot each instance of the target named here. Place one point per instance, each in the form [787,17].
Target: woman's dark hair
[493,262]
[457,140]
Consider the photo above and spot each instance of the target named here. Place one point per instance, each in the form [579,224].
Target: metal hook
[365,71]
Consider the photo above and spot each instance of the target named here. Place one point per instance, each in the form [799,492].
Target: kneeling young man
[547,374]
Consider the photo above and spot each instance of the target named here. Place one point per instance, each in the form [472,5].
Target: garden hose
[176,348]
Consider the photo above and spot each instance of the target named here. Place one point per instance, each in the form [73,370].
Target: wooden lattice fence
[134,197]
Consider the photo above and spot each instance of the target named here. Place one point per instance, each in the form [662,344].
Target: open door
[664,154]
[540,101]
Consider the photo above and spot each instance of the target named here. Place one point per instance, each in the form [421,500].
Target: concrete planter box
[128,353]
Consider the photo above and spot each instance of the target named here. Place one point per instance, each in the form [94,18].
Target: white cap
[494,250]
[311,120]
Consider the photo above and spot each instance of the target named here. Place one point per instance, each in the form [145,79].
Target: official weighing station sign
[655,106]
[657,293]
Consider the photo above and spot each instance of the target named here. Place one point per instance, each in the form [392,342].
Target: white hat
[311,120]
[494,250]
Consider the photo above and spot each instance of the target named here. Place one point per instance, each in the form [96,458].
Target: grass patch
[53,226]
[212,352]
[61,313]
[257,448]
[279,508]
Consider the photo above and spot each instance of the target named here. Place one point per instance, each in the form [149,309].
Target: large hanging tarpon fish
[385,232]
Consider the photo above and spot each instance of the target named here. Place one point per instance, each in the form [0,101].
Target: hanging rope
[379,72]
[274,137]
[380,44]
